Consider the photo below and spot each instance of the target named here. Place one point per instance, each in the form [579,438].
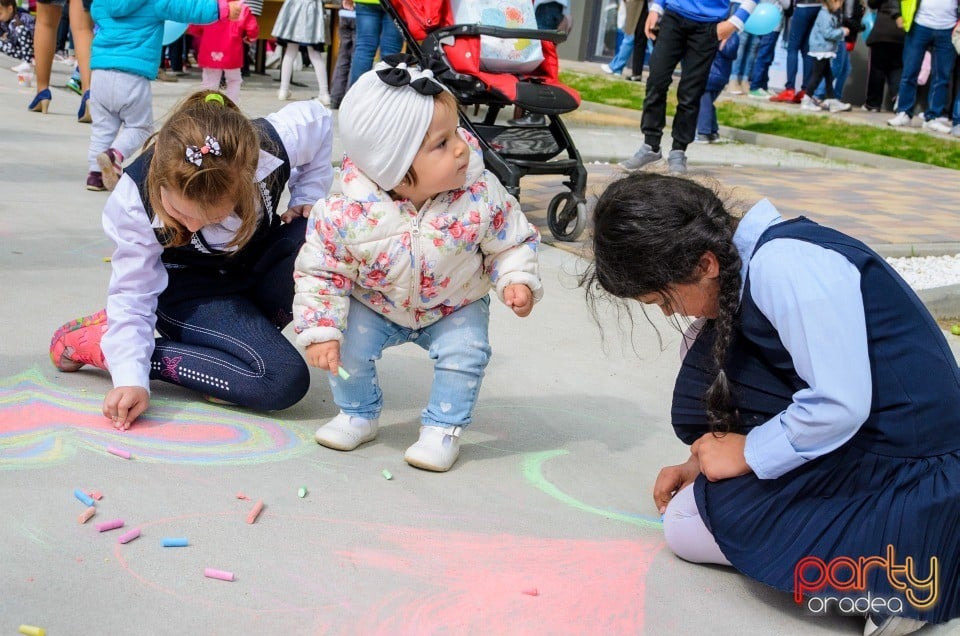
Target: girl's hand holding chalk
[324,355]
[124,404]
[519,298]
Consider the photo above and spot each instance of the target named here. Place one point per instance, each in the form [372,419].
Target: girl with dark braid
[819,398]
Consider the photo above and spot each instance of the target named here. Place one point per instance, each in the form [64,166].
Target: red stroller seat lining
[423,16]
[538,91]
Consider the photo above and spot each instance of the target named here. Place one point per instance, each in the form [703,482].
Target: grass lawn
[823,129]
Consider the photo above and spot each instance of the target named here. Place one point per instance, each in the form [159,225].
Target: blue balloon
[173,30]
[764,19]
[868,21]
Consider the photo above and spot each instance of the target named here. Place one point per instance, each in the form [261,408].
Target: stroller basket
[509,151]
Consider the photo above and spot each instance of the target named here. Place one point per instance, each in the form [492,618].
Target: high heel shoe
[41,102]
[83,115]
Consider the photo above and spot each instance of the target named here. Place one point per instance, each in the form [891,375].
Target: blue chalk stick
[174,542]
[82,496]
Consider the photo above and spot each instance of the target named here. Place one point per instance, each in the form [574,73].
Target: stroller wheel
[566,216]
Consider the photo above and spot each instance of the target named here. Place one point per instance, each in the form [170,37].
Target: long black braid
[650,232]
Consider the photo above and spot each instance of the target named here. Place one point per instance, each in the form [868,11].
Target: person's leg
[106,115]
[226,348]
[234,78]
[273,292]
[341,72]
[667,52]
[914,46]
[766,49]
[367,40]
[460,347]
[875,79]
[176,55]
[639,46]
[81,28]
[619,60]
[45,41]
[685,532]
[391,40]
[944,55]
[318,61]
[136,112]
[701,48]
[817,73]
[800,24]
[291,50]
[894,71]
[210,78]
[706,116]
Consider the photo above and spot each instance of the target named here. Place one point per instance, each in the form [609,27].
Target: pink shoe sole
[57,345]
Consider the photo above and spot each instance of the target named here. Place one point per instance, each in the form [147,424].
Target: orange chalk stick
[86,514]
[255,512]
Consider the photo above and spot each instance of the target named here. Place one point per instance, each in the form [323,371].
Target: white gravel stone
[927,272]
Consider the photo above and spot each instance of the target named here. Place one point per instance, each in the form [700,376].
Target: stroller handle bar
[500,32]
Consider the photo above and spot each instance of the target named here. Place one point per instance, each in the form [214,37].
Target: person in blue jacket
[818,396]
[708,130]
[124,59]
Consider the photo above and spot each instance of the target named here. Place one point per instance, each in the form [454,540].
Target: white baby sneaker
[346,432]
[436,450]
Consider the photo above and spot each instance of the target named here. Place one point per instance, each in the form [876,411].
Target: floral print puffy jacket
[412,266]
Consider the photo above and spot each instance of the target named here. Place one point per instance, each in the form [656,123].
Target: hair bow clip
[210,146]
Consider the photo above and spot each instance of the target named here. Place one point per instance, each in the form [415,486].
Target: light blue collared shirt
[811,295]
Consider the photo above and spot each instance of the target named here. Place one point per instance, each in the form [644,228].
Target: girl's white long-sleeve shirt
[138,274]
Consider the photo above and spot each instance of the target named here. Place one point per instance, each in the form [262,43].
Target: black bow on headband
[399,74]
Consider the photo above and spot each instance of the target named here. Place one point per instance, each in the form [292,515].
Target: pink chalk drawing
[42,423]
[414,580]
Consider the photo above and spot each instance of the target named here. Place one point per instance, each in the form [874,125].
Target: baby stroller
[509,152]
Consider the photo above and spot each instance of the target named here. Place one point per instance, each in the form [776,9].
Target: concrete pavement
[544,526]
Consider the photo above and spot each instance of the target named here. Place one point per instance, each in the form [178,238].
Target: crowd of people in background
[912,58]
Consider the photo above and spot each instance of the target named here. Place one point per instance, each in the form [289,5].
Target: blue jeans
[746,56]
[918,40]
[707,118]
[956,110]
[801,24]
[230,346]
[458,344]
[624,50]
[766,50]
[840,68]
[375,30]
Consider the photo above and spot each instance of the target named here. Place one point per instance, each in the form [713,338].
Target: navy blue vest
[916,381]
[196,269]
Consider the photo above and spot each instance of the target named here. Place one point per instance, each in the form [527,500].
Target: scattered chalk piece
[110,525]
[31,630]
[302,492]
[255,512]
[86,514]
[213,573]
[82,496]
[387,474]
[127,537]
[119,452]
[107,259]
[531,592]
[96,494]
[240,495]
[343,373]
[174,542]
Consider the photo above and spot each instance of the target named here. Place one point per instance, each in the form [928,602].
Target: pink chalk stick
[255,512]
[240,495]
[119,452]
[110,525]
[86,514]
[217,574]
[127,537]
[96,494]
[531,592]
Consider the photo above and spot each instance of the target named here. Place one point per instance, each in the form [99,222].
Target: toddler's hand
[846,31]
[295,211]
[124,404]
[235,8]
[519,298]
[324,355]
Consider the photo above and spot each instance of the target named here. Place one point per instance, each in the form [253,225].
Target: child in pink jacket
[221,50]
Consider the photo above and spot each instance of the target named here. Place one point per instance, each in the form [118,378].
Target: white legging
[317,59]
[211,80]
[686,534]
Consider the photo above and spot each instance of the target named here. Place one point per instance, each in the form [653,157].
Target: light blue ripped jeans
[458,344]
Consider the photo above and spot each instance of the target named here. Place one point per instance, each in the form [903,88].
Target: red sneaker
[786,95]
[799,97]
[78,343]
[95,182]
